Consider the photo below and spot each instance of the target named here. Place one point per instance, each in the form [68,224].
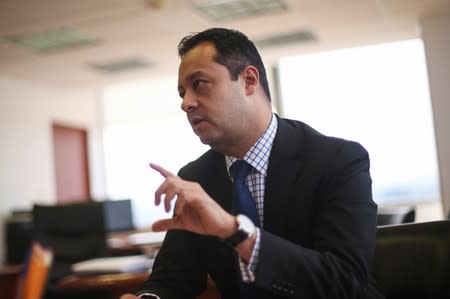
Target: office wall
[26,152]
[436,37]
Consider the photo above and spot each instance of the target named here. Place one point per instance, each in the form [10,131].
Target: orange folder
[35,276]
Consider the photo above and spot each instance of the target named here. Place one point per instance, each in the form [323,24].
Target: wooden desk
[9,277]
[119,284]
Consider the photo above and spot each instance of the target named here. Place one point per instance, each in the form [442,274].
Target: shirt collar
[258,154]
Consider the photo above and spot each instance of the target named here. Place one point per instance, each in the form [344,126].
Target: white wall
[436,37]
[26,152]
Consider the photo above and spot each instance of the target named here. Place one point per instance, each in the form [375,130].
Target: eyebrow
[195,74]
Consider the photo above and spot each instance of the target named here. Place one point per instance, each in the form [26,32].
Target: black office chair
[74,232]
[18,229]
[396,215]
[413,260]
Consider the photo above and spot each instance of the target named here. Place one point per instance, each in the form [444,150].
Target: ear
[251,79]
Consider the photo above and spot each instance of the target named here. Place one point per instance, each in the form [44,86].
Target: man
[314,215]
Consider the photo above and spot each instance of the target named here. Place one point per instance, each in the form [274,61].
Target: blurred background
[88,93]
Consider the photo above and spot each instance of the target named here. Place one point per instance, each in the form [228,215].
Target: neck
[253,133]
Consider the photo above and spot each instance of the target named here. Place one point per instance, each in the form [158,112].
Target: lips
[195,120]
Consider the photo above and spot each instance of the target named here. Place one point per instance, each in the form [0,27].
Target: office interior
[68,85]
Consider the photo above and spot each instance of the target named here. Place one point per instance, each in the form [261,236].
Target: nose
[189,102]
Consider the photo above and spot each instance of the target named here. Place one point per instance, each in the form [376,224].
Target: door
[71,163]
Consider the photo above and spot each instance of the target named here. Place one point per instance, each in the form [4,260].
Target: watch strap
[236,238]
[245,229]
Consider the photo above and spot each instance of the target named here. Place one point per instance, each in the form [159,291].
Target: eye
[199,83]
[182,93]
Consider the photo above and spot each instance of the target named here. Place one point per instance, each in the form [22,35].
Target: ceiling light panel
[225,10]
[121,65]
[301,36]
[52,40]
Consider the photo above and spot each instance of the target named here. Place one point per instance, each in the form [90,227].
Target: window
[377,95]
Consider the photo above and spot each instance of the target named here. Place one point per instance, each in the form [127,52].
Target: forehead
[200,57]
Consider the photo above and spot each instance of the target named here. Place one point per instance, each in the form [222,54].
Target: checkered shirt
[258,157]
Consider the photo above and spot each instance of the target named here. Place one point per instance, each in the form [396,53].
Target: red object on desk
[33,282]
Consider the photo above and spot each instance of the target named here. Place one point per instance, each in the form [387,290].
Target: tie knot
[239,170]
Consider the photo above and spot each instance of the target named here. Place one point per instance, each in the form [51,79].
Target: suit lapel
[218,182]
[285,166]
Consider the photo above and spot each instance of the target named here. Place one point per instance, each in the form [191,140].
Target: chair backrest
[396,215]
[413,260]
[74,232]
[18,230]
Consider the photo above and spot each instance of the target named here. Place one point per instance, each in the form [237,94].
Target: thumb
[165,224]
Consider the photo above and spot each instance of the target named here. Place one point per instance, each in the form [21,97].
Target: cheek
[226,104]
[231,117]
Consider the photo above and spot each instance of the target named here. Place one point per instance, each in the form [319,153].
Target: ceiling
[149,31]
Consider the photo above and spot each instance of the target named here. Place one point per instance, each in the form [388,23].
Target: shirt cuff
[248,269]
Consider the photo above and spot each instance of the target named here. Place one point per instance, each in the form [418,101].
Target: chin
[214,143]
[209,142]
[204,139]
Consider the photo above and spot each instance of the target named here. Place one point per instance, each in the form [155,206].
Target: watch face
[246,225]
[148,296]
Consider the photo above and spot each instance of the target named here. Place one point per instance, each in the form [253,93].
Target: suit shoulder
[202,166]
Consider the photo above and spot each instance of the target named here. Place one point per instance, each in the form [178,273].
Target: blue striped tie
[243,202]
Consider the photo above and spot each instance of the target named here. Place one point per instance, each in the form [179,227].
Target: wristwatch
[148,296]
[246,229]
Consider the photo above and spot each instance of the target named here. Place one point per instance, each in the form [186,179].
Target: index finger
[164,172]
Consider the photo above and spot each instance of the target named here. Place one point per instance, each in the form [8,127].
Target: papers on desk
[121,264]
[147,238]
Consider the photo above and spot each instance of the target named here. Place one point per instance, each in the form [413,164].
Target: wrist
[230,227]
[245,248]
[245,230]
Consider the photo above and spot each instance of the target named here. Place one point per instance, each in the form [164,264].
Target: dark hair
[234,50]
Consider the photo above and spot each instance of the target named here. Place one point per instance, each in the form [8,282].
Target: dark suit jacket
[318,239]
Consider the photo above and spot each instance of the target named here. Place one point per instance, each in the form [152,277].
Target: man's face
[215,105]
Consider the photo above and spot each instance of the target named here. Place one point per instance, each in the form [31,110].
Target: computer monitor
[118,215]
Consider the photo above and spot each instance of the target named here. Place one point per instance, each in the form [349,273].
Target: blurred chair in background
[75,232]
[395,215]
[18,227]
[413,260]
